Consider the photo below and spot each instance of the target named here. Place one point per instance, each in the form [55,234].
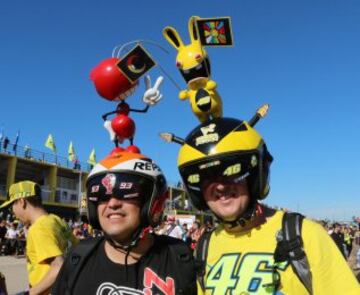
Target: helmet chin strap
[135,238]
[254,209]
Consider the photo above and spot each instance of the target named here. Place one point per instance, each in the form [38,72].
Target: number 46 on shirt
[252,273]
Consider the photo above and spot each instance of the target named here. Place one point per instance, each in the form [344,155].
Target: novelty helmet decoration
[194,64]
[127,175]
[225,148]
[115,79]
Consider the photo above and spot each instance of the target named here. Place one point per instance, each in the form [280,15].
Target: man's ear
[23,203]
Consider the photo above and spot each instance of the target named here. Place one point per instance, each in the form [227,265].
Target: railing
[29,153]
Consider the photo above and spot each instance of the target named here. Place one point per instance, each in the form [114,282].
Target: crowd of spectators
[12,237]
[189,233]
[344,236]
[13,233]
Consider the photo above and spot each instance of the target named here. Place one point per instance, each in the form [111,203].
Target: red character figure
[113,84]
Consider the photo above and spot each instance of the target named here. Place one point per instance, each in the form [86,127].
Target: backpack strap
[170,229]
[290,248]
[201,253]
[181,257]
[73,264]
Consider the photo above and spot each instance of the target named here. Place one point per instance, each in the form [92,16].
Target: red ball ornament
[133,149]
[109,80]
[116,151]
[123,126]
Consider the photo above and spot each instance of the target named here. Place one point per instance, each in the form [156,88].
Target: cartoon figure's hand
[183,94]
[107,125]
[211,85]
[152,95]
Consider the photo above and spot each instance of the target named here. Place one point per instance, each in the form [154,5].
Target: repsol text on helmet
[148,166]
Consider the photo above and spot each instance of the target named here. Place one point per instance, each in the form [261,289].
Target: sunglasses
[124,186]
[231,169]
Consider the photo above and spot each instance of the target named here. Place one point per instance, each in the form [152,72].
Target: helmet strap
[135,238]
[253,211]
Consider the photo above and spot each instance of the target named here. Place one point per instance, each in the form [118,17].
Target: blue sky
[301,57]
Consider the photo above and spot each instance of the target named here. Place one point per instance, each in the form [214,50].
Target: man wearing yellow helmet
[48,238]
[126,194]
[224,164]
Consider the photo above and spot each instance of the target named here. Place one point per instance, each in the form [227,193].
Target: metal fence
[29,153]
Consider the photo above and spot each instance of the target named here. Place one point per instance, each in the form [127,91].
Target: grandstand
[62,181]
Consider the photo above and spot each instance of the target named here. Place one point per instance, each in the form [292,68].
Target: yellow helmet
[227,148]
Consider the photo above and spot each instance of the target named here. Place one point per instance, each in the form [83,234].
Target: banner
[50,143]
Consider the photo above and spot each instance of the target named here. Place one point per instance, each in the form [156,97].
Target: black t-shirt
[160,271]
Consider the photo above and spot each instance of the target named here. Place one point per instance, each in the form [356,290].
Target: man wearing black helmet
[126,193]
[225,167]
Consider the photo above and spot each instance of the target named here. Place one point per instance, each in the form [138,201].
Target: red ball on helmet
[109,81]
[133,149]
[116,151]
[123,126]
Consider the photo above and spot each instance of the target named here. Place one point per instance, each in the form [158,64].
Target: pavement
[15,272]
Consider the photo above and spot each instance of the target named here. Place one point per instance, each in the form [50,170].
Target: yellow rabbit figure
[194,65]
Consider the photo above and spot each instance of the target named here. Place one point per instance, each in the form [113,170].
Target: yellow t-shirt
[48,237]
[241,263]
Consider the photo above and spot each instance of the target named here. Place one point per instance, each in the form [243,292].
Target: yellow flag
[49,143]
[92,158]
[71,152]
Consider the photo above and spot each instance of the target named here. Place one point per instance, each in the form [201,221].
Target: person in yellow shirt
[225,166]
[48,239]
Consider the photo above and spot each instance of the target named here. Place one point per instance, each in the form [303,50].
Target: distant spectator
[186,237]
[48,236]
[77,232]
[195,233]
[6,143]
[11,239]
[172,229]
[349,237]
[77,165]
[338,238]
[3,230]
[27,151]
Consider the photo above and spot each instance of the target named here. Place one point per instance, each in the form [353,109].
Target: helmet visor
[232,168]
[119,185]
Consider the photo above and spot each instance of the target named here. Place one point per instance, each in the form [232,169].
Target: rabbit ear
[194,36]
[172,36]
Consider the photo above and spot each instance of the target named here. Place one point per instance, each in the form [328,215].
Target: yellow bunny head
[192,59]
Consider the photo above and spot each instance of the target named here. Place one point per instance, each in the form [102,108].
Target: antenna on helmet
[170,137]
[260,113]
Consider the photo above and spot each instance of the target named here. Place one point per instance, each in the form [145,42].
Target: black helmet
[227,148]
[126,175]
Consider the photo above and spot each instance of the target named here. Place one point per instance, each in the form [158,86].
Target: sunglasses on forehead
[119,185]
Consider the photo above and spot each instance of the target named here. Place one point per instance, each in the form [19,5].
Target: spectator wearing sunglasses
[126,194]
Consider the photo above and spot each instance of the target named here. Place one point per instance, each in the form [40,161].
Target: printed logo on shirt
[252,272]
[110,288]
[151,281]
